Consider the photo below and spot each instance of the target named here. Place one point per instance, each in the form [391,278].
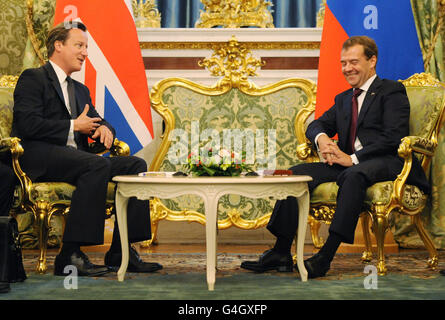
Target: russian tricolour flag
[390,23]
[114,71]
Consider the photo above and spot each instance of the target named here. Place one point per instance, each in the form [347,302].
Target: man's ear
[373,59]
[58,45]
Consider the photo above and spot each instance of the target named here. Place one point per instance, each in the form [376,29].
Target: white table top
[153,178]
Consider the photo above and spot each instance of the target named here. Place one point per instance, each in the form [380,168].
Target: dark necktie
[353,126]
[73,105]
[72,97]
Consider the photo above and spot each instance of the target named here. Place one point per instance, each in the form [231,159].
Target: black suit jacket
[382,122]
[41,118]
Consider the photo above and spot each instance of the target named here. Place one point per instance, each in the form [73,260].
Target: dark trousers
[90,174]
[352,182]
[7,184]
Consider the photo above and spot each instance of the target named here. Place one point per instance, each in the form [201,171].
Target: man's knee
[138,165]
[351,176]
[128,165]
[100,164]
[301,168]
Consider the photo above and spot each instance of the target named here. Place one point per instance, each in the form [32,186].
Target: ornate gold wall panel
[291,45]
[146,14]
[235,14]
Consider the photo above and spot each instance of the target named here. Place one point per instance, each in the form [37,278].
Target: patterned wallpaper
[13,36]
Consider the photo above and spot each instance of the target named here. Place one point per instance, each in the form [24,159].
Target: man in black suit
[366,153]
[54,117]
[7,183]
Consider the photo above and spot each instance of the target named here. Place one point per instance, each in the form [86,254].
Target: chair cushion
[325,193]
[61,191]
[379,193]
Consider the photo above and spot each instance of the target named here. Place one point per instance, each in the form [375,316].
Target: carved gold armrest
[16,149]
[306,153]
[417,144]
[7,143]
[407,146]
[120,148]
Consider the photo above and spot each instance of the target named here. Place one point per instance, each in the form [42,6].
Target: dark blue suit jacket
[41,118]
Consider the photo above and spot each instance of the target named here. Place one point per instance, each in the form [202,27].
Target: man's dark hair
[369,45]
[60,33]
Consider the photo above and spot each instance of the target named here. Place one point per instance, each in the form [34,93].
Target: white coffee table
[210,189]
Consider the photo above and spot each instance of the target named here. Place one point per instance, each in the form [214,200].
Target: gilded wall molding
[235,14]
[146,14]
[294,45]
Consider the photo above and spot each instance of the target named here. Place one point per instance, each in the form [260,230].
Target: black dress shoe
[442,272]
[270,260]
[317,266]
[81,262]
[4,287]
[135,263]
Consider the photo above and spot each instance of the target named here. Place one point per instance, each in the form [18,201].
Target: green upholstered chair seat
[325,193]
[60,191]
[379,193]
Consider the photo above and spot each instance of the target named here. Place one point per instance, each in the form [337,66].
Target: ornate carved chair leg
[41,221]
[154,221]
[380,226]
[367,254]
[315,227]
[433,259]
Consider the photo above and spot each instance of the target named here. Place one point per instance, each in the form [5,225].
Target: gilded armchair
[43,199]
[427,101]
[264,116]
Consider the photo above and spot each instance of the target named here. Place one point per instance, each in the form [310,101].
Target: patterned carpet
[183,278]
[344,265]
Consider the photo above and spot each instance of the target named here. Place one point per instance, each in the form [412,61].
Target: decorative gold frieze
[295,45]
[146,14]
[235,14]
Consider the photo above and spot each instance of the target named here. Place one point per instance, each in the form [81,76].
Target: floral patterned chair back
[261,119]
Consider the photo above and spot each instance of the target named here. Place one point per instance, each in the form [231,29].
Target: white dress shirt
[360,99]
[61,76]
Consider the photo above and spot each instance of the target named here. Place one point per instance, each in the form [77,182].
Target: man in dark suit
[366,153]
[7,183]
[54,117]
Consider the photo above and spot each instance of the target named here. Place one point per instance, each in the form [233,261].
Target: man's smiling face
[356,67]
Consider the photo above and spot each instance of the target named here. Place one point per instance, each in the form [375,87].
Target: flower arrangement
[219,163]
